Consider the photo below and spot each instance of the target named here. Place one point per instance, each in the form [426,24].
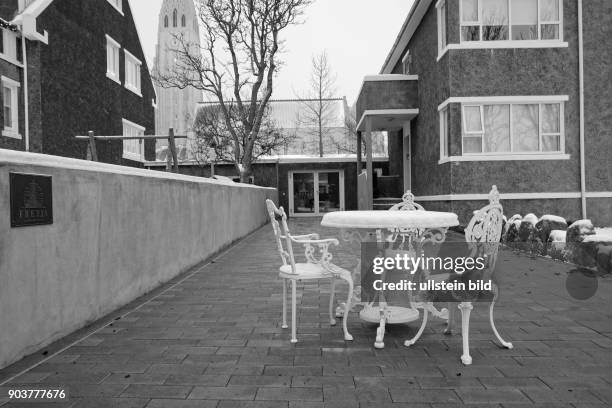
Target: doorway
[315,192]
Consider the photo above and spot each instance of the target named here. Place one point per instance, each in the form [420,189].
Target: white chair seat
[304,271]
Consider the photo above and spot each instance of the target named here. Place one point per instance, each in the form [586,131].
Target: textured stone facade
[515,72]
[69,92]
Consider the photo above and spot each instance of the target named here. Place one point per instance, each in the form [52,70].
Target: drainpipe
[25,92]
[581,86]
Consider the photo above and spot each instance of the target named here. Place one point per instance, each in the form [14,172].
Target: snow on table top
[389,219]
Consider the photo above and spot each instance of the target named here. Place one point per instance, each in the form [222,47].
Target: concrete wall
[118,233]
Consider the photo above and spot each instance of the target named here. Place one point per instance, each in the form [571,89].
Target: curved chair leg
[380,332]
[466,309]
[504,343]
[284,326]
[410,342]
[347,308]
[451,320]
[332,321]
[293,312]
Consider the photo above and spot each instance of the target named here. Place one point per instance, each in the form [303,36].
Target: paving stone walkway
[214,340]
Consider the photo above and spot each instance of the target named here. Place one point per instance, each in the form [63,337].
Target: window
[166,21]
[132,73]
[117,4]
[183,21]
[406,63]
[174,18]
[9,46]
[10,116]
[112,59]
[442,38]
[444,133]
[505,128]
[518,20]
[133,149]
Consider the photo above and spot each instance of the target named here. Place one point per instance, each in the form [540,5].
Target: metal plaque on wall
[31,200]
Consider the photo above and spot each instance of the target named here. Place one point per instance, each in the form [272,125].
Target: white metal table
[413,228]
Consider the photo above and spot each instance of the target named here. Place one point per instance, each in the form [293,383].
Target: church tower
[175,107]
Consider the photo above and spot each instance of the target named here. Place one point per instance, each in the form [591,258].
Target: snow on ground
[601,235]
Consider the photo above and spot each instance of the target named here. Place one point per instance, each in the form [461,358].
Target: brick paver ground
[214,340]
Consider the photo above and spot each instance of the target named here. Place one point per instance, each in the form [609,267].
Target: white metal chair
[483,235]
[317,266]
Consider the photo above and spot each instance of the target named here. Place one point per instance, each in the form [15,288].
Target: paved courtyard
[212,338]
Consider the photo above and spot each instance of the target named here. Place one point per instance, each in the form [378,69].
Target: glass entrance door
[315,192]
[303,193]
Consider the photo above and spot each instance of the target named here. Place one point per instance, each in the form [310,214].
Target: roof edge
[415,15]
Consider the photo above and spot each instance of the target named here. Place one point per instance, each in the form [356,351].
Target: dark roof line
[275,100]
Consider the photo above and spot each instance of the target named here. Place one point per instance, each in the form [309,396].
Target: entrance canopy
[385,119]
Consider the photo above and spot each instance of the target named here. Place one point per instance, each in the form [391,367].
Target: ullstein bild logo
[31,200]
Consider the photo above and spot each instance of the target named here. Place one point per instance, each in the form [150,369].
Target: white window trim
[479,23]
[120,8]
[130,155]
[12,132]
[3,55]
[405,58]
[519,44]
[130,58]
[509,100]
[486,45]
[114,76]
[444,131]
[441,45]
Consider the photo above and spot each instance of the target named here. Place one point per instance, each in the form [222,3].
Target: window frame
[444,132]
[512,152]
[510,41]
[10,41]
[442,11]
[126,154]
[406,59]
[13,131]
[117,5]
[131,59]
[114,72]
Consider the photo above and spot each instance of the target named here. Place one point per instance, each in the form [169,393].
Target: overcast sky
[357,35]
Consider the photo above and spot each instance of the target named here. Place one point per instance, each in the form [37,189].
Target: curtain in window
[469,14]
[496,128]
[550,19]
[524,19]
[8,115]
[551,128]
[525,128]
[495,20]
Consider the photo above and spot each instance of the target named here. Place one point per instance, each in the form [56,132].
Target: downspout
[581,86]
[26,98]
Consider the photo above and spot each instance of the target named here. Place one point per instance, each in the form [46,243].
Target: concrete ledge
[118,233]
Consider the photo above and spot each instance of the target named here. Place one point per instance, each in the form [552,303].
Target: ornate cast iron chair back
[281,233]
[485,228]
[407,203]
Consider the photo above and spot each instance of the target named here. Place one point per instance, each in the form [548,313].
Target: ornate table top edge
[389,219]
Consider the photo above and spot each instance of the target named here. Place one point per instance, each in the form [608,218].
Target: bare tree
[212,144]
[235,65]
[319,104]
